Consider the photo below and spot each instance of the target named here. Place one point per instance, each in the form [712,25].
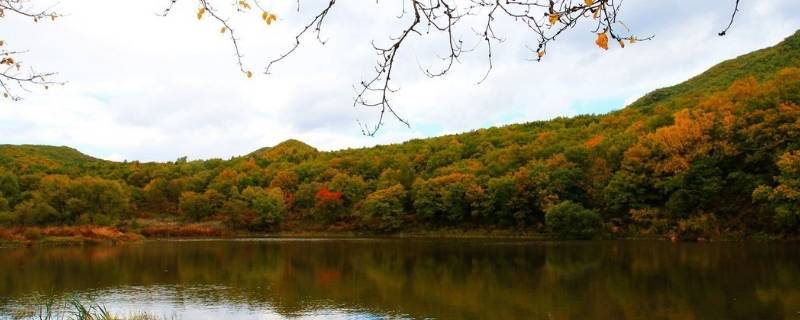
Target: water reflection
[476,279]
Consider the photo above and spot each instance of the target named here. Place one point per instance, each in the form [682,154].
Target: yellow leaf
[540,54]
[602,41]
[588,2]
[632,39]
[554,18]
[200,13]
[249,74]
[264,15]
[597,12]
[621,43]
[244,4]
[222,30]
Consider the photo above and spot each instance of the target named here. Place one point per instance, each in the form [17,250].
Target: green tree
[268,205]
[9,186]
[452,198]
[569,220]
[383,209]
[353,188]
[195,206]
[784,198]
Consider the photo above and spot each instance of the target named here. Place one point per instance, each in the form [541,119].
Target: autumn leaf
[2,43]
[597,12]
[553,17]
[222,30]
[602,41]
[632,39]
[588,2]
[268,17]
[540,54]
[249,74]
[621,43]
[200,13]
[244,4]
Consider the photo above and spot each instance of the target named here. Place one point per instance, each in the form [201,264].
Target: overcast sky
[143,87]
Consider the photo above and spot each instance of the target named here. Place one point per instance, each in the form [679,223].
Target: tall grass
[75,309]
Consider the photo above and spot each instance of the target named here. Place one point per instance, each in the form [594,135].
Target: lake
[419,279]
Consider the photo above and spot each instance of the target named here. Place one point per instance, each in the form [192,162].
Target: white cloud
[144,87]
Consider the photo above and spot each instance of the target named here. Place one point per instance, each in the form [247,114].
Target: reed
[75,309]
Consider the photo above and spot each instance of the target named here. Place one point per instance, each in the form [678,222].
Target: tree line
[701,159]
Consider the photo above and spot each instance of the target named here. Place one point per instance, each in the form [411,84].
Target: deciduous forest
[717,156]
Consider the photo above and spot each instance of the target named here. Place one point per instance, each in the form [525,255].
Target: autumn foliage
[716,156]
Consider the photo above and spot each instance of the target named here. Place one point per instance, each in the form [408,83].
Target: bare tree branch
[15,75]
[733,16]
[544,19]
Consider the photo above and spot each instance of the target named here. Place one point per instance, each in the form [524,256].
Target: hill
[762,64]
[716,156]
[41,155]
[291,150]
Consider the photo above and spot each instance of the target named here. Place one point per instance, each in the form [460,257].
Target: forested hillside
[716,156]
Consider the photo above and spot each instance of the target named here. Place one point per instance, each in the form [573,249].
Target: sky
[144,87]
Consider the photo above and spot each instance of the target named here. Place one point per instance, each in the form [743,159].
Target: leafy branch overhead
[455,19]
[465,25]
[15,75]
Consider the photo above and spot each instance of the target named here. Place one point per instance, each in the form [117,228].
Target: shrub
[569,220]
[648,221]
[701,225]
[787,219]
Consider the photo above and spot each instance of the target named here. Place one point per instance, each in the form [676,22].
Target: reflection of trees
[435,279]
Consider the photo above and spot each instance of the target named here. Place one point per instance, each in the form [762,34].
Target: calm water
[367,279]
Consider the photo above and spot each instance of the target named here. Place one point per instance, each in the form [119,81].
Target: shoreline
[89,236]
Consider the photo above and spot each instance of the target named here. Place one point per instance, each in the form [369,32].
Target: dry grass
[57,234]
[181,231]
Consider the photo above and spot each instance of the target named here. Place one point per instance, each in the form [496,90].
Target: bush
[703,225]
[787,219]
[569,220]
